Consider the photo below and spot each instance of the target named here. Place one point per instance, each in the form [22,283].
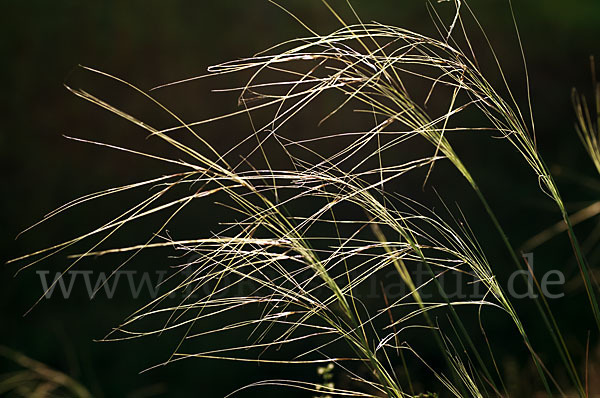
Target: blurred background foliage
[152,42]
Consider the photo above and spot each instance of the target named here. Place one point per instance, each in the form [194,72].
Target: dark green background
[153,42]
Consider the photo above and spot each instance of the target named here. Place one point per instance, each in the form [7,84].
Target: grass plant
[306,268]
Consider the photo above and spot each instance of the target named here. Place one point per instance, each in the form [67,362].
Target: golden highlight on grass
[306,270]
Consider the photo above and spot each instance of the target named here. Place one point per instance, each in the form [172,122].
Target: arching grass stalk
[369,78]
